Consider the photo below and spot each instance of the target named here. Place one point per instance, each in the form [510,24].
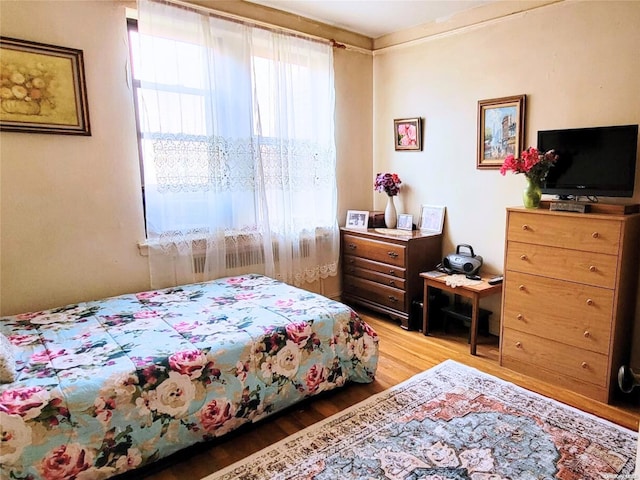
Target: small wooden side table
[474,292]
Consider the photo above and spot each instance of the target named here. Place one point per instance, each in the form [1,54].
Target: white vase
[390,215]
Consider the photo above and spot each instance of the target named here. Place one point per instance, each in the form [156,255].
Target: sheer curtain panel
[237,140]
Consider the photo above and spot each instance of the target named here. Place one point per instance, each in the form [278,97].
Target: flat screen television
[596,161]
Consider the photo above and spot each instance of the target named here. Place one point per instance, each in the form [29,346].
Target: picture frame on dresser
[432,218]
[357,219]
[405,222]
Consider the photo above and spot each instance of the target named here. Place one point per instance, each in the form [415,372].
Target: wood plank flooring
[402,355]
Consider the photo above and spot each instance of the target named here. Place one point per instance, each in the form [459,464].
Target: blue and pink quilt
[108,386]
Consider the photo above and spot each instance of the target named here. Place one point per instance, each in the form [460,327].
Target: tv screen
[597,161]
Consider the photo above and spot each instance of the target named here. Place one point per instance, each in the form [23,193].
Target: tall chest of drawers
[382,271]
[569,296]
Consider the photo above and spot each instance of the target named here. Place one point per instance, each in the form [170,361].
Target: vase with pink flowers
[535,166]
[388,183]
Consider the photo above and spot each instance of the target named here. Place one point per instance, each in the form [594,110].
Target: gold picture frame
[43,89]
[500,130]
[407,134]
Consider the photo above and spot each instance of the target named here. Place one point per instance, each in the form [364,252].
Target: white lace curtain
[237,136]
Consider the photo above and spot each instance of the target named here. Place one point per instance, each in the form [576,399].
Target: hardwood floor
[402,355]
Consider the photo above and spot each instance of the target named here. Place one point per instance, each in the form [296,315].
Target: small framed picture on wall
[407,134]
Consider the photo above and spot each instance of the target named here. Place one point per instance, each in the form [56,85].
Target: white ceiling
[374,18]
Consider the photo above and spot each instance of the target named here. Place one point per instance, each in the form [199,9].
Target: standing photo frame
[432,218]
[407,134]
[357,219]
[43,89]
[500,130]
[405,222]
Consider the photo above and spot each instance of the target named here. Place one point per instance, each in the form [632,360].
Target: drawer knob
[392,254]
[584,365]
[392,272]
[522,288]
[595,234]
[587,334]
[589,301]
[525,227]
[593,268]
[392,298]
[520,316]
[352,246]
[392,283]
[523,257]
[518,344]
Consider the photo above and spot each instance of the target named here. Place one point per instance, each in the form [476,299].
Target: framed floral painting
[500,130]
[43,88]
[407,134]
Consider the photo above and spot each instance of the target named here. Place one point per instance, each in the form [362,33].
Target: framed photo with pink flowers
[500,130]
[407,134]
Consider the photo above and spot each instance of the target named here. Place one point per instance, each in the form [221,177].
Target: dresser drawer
[353,263]
[574,265]
[577,315]
[564,360]
[374,292]
[602,236]
[378,251]
[374,276]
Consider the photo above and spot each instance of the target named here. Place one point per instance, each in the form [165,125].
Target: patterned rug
[450,422]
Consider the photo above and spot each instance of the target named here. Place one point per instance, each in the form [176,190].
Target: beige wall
[70,206]
[577,62]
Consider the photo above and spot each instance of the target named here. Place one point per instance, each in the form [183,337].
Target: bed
[108,386]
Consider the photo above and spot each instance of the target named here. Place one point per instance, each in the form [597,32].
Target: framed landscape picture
[500,130]
[43,88]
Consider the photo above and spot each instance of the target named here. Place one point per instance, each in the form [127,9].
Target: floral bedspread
[108,386]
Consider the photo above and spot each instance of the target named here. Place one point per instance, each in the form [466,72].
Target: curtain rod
[261,24]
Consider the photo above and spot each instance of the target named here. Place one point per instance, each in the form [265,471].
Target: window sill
[238,242]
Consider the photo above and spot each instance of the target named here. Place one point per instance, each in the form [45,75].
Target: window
[236,135]
[176,124]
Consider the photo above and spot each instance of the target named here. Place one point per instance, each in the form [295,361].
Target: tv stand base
[597,207]
[567,206]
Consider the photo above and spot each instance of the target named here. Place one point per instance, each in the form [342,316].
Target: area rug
[449,422]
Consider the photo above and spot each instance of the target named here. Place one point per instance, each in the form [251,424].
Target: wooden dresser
[382,272]
[569,296]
